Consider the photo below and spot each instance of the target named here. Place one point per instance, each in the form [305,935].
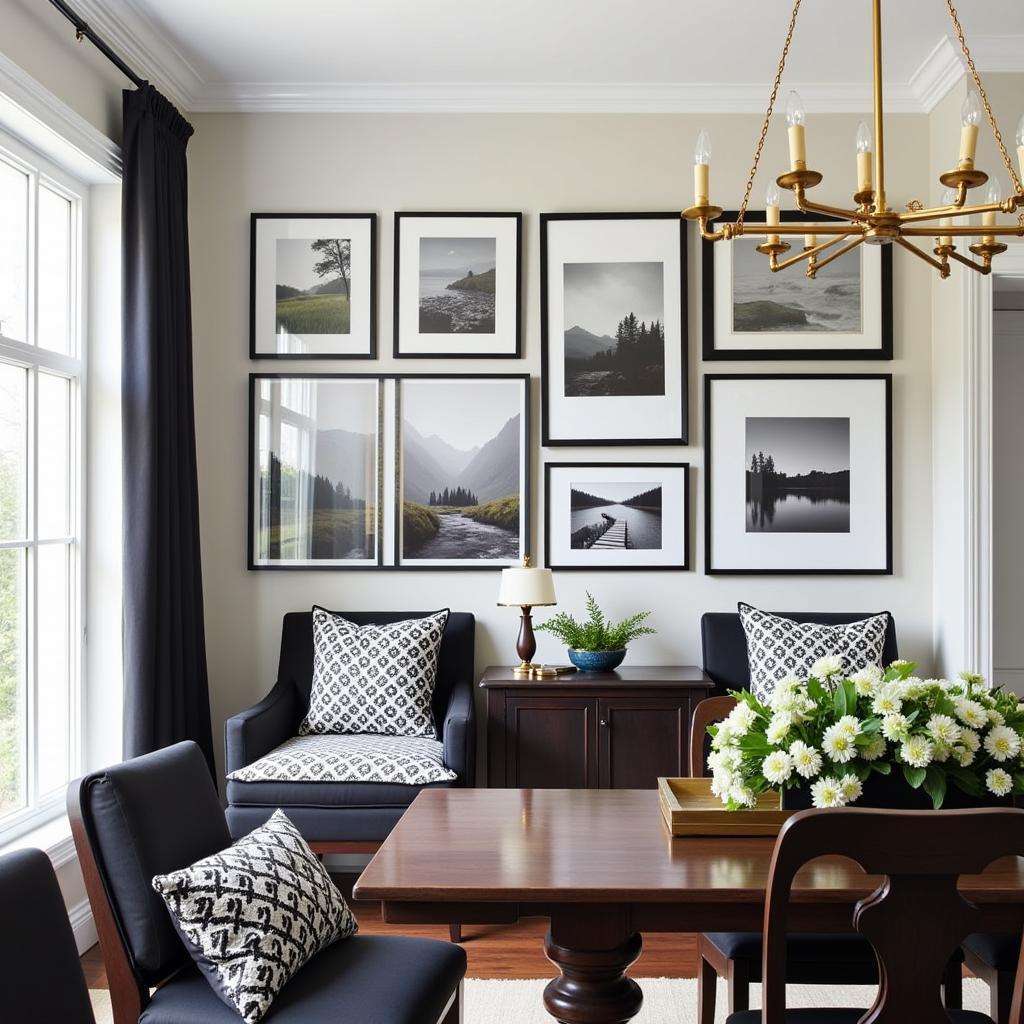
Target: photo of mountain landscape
[797,474]
[614,328]
[457,285]
[313,278]
[462,445]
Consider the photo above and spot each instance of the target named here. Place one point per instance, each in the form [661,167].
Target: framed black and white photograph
[463,471]
[751,312]
[315,471]
[613,329]
[457,285]
[798,474]
[313,286]
[617,515]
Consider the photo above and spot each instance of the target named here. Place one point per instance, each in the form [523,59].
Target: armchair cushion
[371,979]
[407,760]
[256,731]
[255,913]
[374,678]
[778,647]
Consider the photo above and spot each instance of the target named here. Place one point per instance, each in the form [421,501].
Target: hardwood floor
[494,951]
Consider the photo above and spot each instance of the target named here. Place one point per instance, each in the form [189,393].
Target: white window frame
[42,808]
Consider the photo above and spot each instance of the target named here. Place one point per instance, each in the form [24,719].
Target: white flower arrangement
[832,732]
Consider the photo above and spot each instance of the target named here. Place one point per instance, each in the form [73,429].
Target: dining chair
[161,812]
[914,920]
[993,958]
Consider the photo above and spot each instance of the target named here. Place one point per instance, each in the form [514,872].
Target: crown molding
[131,32]
[34,114]
[534,97]
[938,74]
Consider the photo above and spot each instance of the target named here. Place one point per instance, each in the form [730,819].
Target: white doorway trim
[977,456]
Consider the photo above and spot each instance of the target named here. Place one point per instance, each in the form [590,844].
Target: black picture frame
[397,339]
[254,219]
[251,563]
[709,567]
[525,495]
[711,353]
[547,439]
[685,566]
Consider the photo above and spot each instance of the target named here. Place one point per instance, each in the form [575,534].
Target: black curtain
[166,697]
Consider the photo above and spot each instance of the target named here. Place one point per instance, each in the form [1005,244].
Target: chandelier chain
[768,115]
[984,99]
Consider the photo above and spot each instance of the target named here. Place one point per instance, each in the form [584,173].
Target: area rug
[666,1000]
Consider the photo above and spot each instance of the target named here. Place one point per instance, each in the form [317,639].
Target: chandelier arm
[951,211]
[811,253]
[965,231]
[998,135]
[795,228]
[849,247]
[967,262]
[910,247]
[805,205]
[768,114]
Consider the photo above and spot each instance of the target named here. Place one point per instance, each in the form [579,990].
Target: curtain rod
[82,31]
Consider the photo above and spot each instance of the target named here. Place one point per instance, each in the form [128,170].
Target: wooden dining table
[603,868]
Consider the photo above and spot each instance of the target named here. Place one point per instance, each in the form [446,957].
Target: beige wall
[42,42]
[311,162]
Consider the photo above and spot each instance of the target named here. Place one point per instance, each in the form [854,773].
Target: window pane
[54,456]
[13,389]
[54,299]
[13,252]
[12,679]
[53,701]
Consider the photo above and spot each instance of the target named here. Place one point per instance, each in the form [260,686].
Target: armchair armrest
[707,712]
[459,733]
[256,731]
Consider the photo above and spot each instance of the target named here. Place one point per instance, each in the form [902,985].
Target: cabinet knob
[604,723]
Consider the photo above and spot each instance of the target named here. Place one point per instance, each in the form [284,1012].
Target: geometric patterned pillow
[375,678]
[406,760]
[778,647]
[255,913]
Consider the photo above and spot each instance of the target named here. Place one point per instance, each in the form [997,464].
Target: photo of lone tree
[313,285]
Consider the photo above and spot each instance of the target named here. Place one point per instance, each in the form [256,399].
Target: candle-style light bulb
[863,158]
[772,201]
[995,192]
[702,170]
[988,218]
[948,199]
[796,116]
[970,118]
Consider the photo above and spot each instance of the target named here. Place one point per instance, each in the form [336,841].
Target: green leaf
[870,727]
[914,776]
[881,767]
[839,701]
[1018,783]
[815,690]
[965,780]
[935,785]
[850,689]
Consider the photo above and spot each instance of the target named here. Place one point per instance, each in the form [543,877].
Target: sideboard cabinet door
[550,742]
[641,738]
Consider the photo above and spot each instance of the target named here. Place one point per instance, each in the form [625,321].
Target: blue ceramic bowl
[596,661]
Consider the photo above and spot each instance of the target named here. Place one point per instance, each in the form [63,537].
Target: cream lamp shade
[524,585]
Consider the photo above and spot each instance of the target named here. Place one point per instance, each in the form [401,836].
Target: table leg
[592,947]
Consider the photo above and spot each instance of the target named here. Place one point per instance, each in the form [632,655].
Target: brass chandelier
[872,220]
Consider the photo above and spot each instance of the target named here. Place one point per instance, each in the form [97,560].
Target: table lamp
[525,586]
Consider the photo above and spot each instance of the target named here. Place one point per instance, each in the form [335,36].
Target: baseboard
[83,926]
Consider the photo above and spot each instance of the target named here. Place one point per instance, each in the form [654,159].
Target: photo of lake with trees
[457,285]
[313,278]
[614,333]
[797,474]
[765,303]
[461,451]
[615,515]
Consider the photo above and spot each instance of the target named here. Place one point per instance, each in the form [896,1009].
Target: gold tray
[691,809]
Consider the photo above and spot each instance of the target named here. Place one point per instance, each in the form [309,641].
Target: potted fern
[598,644]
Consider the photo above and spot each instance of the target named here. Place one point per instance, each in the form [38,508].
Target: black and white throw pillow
[373,679]
[778,647]
[255,913]
[406,760]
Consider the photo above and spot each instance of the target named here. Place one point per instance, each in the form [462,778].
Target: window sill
[53,838]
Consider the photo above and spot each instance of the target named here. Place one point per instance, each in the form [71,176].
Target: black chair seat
[1000,952]
[808,949]
[373,979]
[282,793]
[837,1016]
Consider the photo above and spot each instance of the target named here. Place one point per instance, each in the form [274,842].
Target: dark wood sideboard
[591,730]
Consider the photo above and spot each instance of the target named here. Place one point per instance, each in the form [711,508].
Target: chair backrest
[40,976]
[145,817]
[916,919]
[455,659]
[725,644]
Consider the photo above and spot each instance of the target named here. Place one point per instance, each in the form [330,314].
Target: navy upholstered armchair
[345,816]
